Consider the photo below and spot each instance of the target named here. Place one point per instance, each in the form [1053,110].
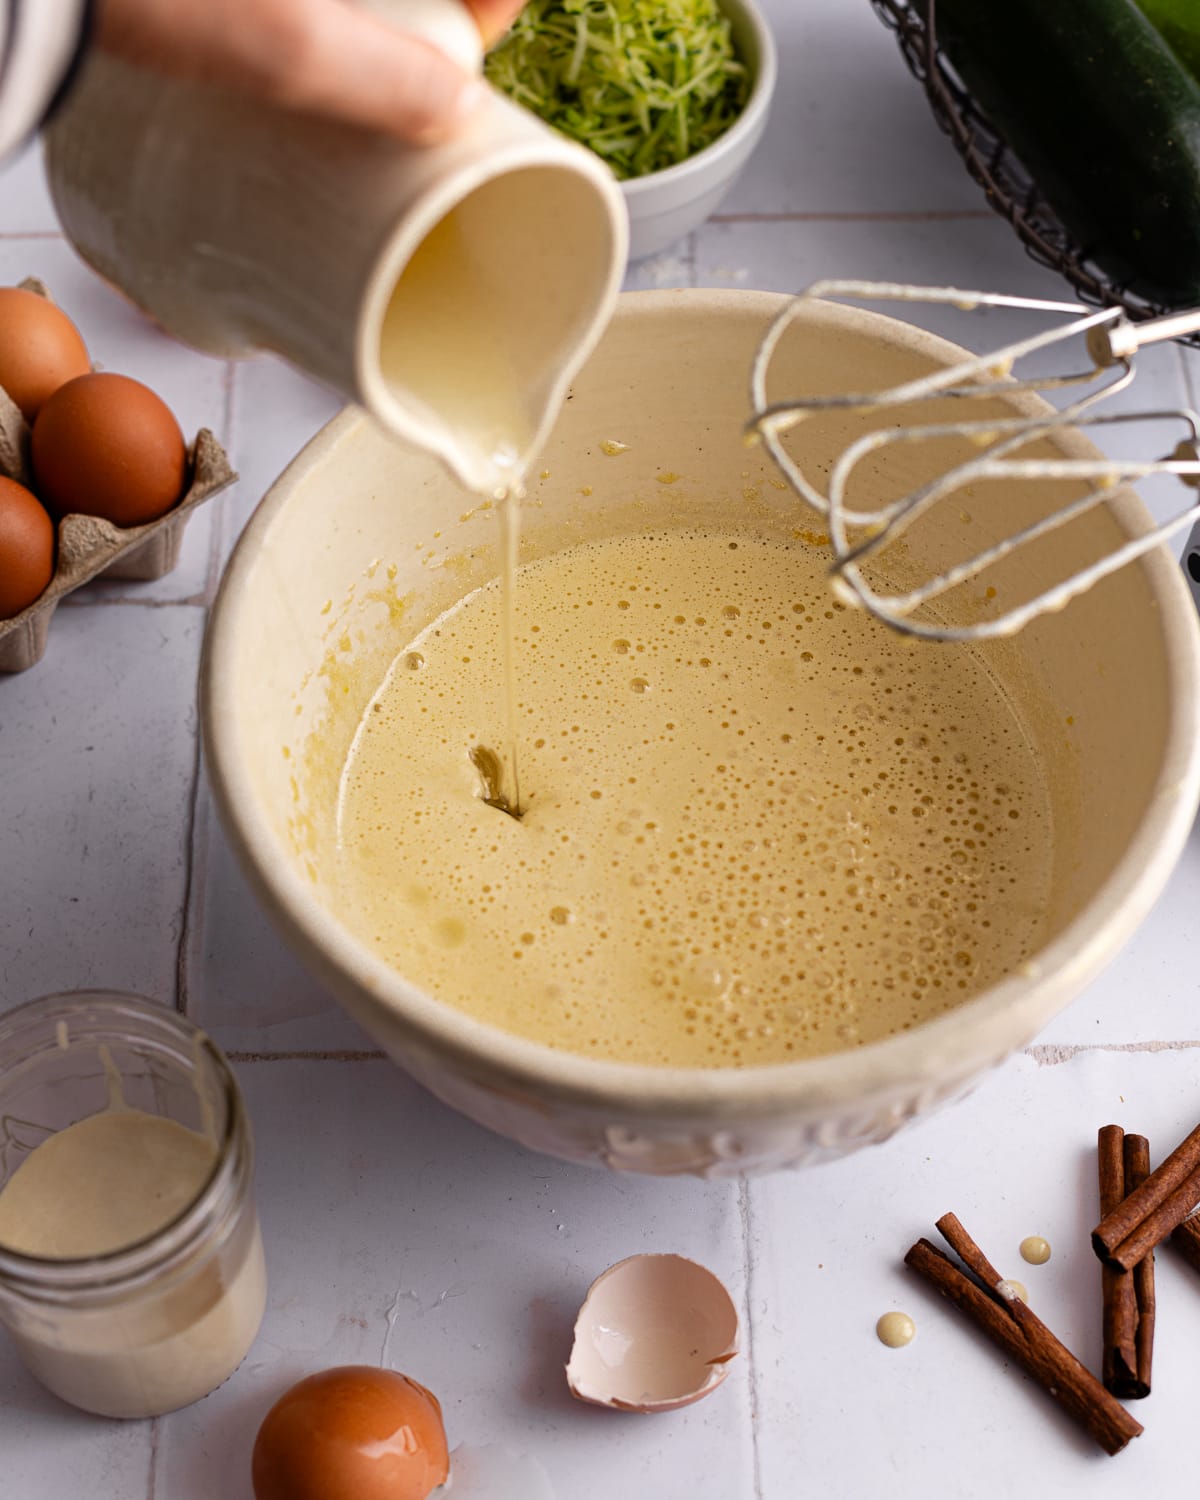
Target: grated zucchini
[643,83]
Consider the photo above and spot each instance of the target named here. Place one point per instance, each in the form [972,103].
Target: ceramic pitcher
[451,290]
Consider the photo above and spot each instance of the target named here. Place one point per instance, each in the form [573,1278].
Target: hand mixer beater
[1104,342]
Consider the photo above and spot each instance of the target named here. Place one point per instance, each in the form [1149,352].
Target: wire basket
[1007,185]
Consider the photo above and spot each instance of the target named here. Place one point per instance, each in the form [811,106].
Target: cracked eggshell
[655,1332]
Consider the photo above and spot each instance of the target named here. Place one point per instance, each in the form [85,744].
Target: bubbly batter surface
[757,825]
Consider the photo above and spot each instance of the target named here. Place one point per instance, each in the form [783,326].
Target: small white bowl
[664,206]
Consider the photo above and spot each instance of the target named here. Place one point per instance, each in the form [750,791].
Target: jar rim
[46,1277]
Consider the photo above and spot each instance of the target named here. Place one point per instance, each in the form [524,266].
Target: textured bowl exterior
[664,206]
[719,1122]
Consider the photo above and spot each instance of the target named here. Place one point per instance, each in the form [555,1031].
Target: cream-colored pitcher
[451,290]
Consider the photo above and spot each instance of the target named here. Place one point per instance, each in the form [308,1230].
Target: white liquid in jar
[100,1186]
[103,1184]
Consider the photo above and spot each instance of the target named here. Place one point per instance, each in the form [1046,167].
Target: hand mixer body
[1191,562]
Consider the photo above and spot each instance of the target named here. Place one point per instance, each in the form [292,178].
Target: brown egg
[351,1433]
[26,549]
[105,445]
[40,349]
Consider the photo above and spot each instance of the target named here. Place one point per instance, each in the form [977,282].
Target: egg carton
[90,547]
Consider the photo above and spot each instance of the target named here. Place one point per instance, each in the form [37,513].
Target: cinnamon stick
[1137,1169]
[1145,1217]
[1186,1239]
[1119,1319]
[1021,1334]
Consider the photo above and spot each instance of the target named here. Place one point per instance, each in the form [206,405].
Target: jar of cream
[131,1267]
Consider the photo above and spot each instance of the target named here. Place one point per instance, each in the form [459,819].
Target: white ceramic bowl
[664,206]
[306,625]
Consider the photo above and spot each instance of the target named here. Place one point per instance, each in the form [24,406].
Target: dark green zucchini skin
[1106,120]
[1178,23]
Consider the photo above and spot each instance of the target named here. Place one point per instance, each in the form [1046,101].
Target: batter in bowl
[756,826]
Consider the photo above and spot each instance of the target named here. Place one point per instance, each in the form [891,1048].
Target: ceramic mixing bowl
[362,542]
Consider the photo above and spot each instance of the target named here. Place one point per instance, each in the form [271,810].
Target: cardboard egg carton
[89,547]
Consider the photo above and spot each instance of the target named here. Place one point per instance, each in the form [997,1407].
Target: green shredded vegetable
[644,83]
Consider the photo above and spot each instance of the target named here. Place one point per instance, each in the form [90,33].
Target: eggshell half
[655,1332]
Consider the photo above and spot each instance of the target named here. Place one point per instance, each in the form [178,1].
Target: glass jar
[158,1323]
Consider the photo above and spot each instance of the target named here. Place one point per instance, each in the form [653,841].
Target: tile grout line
[830,216]
[1185,369]
[221,526]
[858,216]
[152,1478]
[130,601]
[336,1054]
[745,1215]
[192,886]
[196,834]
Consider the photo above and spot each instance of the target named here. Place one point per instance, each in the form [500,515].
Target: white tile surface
[479,1253]
[52,1451]
[944,1415]
[672,268]
[27,208]
[243,985]
[276,410]
[973,251]
[1151,991]
[376,1202]
[98,750]
[849,130]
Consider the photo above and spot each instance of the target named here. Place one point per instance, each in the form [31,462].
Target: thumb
[366,71]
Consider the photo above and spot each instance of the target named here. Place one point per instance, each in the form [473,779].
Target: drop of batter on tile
[1035,1250]
[895,1329]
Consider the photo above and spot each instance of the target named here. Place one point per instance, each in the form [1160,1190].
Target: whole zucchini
[1105,119]
[1178,23]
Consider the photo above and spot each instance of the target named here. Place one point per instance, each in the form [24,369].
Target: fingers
[320,56]
[495,17]
[358,68]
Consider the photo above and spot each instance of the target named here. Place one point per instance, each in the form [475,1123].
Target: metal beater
[1107,340]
